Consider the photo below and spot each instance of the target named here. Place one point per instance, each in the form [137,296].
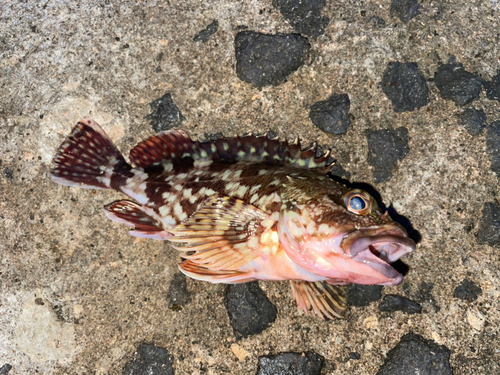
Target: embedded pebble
[473,120]
[239,352]
[387,148]
[4,370]
[308,363]
[416,355]
[405,87]
[263,59]
[207,32]
[150,359]
[178,294]
[332,115]
[489,225]
[457,84]
[363,295]
[249,309]
[375,21]
[405,10]
[305,16]
[493,146]
[493,87]
[165,114]
[392,302]
[468,291]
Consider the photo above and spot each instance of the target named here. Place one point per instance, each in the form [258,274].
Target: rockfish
[242,209]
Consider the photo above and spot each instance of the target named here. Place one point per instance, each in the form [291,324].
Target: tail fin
[87,158]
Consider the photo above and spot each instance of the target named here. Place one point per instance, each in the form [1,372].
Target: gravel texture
[473,120]
[79,295]
[165,115]
[416,355]
[457,84]
[489,225]
[493,87]
[392,303]
[405,10]
[150,360]
[363,295]
[405,87]
[468,291]
[332,115]
[387,148]
[249,309]
[268,59]
[207,32]
[493,146]
[291,364]
[178,294]
[304,16]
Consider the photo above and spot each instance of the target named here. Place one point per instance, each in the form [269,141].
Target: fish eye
[357,203]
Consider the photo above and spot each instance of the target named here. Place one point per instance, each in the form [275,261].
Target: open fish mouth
[379,251]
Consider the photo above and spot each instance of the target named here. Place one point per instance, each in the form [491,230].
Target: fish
[241,209]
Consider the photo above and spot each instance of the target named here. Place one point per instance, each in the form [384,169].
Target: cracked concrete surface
[79,295]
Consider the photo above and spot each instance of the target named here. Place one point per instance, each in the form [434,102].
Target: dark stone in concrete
[386,149]
[8,173]
[354,355]
[332,115]
[4,370]
[305,16]
[489,225]
[308,363]
[376,21]
[473,120]
[150,360]
[405,10]
[405,87]
[493,146]
[268,59]
[178,294]
[493,88]
[457,84]
[206,33]
[165,114]
[392,302]
[416,355]
[249,309]
[363,295]
[468,291]
[424,294]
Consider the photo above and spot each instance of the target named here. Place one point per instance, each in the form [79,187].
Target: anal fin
[320,298]
[132,214]
[198,272]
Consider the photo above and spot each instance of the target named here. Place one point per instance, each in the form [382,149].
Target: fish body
[242,209]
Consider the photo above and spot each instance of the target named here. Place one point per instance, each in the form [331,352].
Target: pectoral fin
[320,299]
[222,235]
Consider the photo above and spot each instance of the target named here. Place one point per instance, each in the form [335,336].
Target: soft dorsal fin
[175,146]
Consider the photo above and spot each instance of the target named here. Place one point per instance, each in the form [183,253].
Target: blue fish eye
[357,203]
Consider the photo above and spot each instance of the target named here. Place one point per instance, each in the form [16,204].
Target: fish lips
[378,251]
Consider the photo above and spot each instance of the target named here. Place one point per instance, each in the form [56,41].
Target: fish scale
[241,209]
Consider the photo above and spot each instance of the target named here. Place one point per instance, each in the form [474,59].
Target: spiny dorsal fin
[175,146]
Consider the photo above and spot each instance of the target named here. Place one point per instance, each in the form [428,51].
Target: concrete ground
[79,295]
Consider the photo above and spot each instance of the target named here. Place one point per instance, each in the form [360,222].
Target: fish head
[340,233]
